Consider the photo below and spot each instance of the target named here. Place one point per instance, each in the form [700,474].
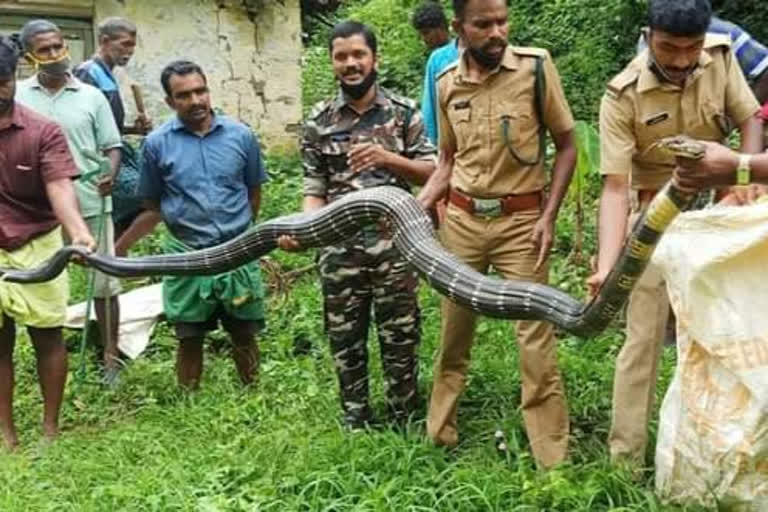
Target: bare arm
[61,194]
[565,159]
[436,187]
[562,172]
[114,161]
[143,225]
[313,203]
[612,226]
[751,135]
[105,183]
[254,196]
[718,169]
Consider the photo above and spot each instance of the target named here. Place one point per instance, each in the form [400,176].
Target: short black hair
[680,17]
[9,57]
[179,67]
[429,15]
[114,26]
[351,28]
[459,6]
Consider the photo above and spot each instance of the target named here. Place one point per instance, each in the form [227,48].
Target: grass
[148,446]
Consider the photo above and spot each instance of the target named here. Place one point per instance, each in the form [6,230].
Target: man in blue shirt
[430,21]
[202,176]
[117,42]
[438,61]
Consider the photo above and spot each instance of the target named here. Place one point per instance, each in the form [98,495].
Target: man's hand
[289,243]
[743,195]
[595,281]
[121,251]
[84,239]
[143,124]
[365,156]
[717,169]
[543,236]
[104,184]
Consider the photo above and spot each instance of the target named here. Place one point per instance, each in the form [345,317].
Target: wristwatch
[744,171]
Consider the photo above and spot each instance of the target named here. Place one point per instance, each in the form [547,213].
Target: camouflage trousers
[363,277]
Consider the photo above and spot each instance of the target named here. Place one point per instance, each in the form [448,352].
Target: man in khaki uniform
[492,171]
[686,82]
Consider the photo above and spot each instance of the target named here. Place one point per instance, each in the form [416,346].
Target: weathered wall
[251,59]
[250,50]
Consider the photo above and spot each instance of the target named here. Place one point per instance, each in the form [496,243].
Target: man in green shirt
[86,118]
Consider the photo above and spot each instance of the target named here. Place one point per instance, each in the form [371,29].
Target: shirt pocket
[233,180]
[712,123]
[334,152]
[512,123]
[461,117]
[650,128]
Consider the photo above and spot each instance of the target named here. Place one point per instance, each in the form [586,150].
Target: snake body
[414,237]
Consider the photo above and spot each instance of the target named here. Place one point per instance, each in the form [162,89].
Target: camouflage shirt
[332,127]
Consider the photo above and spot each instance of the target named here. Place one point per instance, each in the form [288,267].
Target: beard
[485,58]
[357,91]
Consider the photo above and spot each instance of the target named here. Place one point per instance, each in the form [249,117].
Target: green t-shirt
[83,113]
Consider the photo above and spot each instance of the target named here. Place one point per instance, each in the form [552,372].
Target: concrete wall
[249,49]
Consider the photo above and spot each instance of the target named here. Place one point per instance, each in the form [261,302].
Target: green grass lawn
[148,446]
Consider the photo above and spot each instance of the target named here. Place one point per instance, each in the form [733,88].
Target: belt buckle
[488,208]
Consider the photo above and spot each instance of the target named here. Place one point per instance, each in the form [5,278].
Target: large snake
[414,237]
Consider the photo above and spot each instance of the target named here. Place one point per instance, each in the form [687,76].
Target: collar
[509,61]
[178,125]
[648,80]
[342,99]
[100,62]
[73,84]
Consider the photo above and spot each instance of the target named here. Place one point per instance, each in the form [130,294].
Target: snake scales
[413,236]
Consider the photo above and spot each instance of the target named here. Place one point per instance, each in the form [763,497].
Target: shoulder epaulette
[715,40]
[450,67]
[530,51]
[403,101]
[620,82]
[318,109]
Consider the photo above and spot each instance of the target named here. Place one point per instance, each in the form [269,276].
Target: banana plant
[587,162]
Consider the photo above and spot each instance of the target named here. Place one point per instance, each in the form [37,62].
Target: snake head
[682,146]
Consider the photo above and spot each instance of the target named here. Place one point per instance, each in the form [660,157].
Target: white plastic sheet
[712,446]
[140,310]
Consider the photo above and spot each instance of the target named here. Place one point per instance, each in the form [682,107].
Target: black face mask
[357,91]
[484,59]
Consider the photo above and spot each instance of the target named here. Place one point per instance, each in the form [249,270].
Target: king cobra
[413,235]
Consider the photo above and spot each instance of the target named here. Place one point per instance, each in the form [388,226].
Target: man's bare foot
[50,432]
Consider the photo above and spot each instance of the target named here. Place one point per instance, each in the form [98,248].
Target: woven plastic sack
[712,446]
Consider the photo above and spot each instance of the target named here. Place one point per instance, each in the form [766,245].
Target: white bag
[712,445]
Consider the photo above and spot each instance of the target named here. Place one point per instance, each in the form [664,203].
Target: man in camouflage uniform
[366,137]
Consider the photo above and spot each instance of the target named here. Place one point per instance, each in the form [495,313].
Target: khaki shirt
[638,109]
[470,119]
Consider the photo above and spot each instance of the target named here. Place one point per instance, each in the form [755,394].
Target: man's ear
[169,102]
[456,26]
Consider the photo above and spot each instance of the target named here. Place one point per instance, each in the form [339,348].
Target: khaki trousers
[506,244]
[637,366]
